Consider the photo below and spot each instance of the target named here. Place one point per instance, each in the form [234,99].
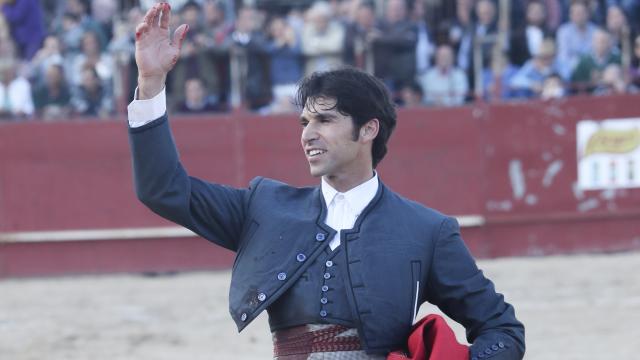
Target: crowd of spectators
[60,59]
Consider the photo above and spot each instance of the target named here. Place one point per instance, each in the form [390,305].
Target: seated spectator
[15,92]
[553,87]
[322,39]
[394,47]
[80,9]
[444,84]
[574,38]
[194,61]
[91,98]
[286,67]
[618,27]
[527,82]
[526,39]
[52,99]
[122,47]
[71,32]
[91,55]
[424,46]
[49,54]
[411,95]
[497,77]
[588,72]
[196,100]
[612,81]
[216,31]
[26,21]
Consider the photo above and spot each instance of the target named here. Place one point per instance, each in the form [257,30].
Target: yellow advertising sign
[613,142]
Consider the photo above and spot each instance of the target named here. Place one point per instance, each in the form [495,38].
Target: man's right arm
[215,212]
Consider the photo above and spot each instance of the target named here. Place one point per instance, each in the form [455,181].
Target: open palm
[156,53]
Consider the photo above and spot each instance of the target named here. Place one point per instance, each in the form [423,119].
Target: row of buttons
[282,276]
[489,351]
[325,288]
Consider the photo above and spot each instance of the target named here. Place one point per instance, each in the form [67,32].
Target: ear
[369,131]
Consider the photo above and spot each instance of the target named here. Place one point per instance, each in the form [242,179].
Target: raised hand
[156,53]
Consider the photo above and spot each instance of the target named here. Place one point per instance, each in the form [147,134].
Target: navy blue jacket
[397,250]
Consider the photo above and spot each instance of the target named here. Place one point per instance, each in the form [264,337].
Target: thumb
[179,35]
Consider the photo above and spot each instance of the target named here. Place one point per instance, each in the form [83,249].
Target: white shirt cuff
[142,112]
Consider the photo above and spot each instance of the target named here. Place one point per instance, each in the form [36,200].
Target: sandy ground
[573,307]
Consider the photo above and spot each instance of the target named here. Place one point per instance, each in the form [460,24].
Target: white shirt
[344,208]
[16,98]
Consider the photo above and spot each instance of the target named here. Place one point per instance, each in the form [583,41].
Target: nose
[309,134]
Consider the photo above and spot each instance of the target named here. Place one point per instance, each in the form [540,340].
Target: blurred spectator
[612,81]
[618,28]
[104,12]
[322,39]
[122,47]
[91,55]
[411,95]
[27,25]
[91,98]
[634,72]
[248,44]
[71,32]
[49,54]
[80,9]
[457,28]
[526,38]
[216,31]
[588,72]
[15,92]
[553,14]
[196,100]
[574,38]
[444,84]
[394,47]
[553,87]
[286,68]
[52,99]
[358,36]
[481,31]
[194,60]
[527,82]
[497,77]
[424,46]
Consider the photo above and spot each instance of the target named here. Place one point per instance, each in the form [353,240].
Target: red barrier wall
[77,175]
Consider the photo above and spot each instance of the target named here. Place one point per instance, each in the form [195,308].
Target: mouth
[311,153]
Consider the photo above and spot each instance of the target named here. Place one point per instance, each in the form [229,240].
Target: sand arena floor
[573,307]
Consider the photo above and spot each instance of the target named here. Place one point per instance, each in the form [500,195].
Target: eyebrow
[319,116]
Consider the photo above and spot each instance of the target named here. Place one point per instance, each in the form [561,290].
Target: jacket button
[494,347]
[323,313]
[262,297]
[327,275]
[487,351]
[301,257]
[329,263]
[324,300]
[320,237]
[325,288]
[282,276]
[243,317]
[481,356]
[500,345]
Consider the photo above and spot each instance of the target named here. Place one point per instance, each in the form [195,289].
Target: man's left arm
[460,290]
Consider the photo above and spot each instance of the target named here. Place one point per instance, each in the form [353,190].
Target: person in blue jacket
[341,268]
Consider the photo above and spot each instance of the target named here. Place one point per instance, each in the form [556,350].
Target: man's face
[328,141]
[579,14]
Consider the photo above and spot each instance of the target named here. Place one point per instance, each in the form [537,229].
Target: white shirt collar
[358,198]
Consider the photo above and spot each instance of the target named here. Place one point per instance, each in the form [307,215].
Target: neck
[344,182]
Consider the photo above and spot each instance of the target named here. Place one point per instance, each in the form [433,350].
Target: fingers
[179,35]
[152,16]
[141,29]
[166,16]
